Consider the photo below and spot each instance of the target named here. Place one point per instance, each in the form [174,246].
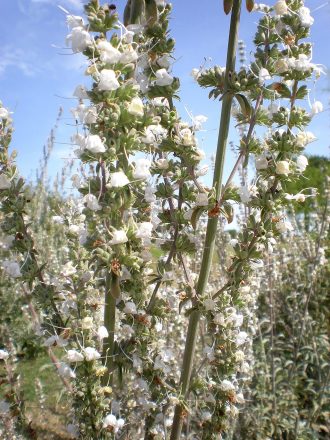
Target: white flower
[4,113]
[302,163]
[89,115]
[149,194]
[263,75]
[162,164]
[187,137]
[4,355]
[102,333]
[74,356]
[55,340]
[302,63]
[92,202]
[317,107]
[108,80]
[261,7]
[80,92]
[80,39]
[12,268]
[130,308]
[142,169]
[300,197]
[91,354]
[68,269]
[304,137]
[281,7]
[226,385]
[261,163]
[219,319]
[244,194]
[202,199]
[284,226]
[74,21]
[154,134]
[127,331]
[241,338]
[111,421]
[195,73]
[136,107]
[164,61]
[94,144]
[283,167]
[108,53]
[118,179]
[87,323]
[129,56]
[281,65]
[209,304]
[79,139]
[144,230]
[4,182]
[199,154]
[305,16]
[160,102]
[118,237]
[198,121]
[163,78]
[65,371]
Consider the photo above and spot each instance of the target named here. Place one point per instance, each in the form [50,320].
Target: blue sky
[38,74]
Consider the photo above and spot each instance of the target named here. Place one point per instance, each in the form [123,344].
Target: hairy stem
[212,222]
[109,323]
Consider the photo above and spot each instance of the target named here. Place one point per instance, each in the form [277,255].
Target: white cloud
[76,4]
[11,57]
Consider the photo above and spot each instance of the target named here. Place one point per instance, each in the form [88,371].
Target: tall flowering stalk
[212,221]
[277,159]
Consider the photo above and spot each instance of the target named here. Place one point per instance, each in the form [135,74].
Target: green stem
[109,323]
[212,222]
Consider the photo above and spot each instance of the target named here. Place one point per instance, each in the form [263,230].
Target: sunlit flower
[92,202]
[317,107]
[283,167]
[118,237]
[91,354]
[281,7]
[136,107]
[108,53]
[142,169]
[301,163]
[79,38]
[163,78]
[118,179]
[94,144]
[304,14]
[263,75]
[74,356]
[108,80]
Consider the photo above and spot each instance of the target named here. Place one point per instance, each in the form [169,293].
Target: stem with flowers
[211,230]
